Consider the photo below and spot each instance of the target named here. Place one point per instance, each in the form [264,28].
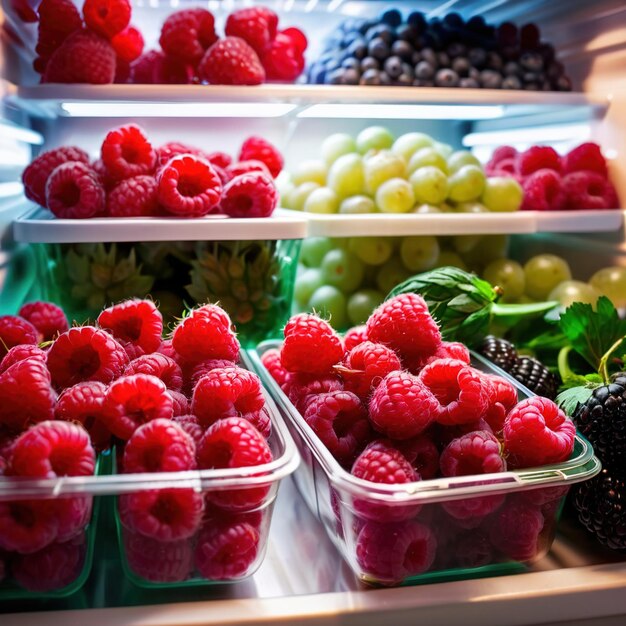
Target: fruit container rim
[583,464]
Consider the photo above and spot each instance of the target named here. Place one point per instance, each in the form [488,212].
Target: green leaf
[569,399]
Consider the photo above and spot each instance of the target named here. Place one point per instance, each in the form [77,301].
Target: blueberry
[404,80]
[416,57]
[555,69]
[384,78]
[531,61]
[403,49]
[417,19]
[349,39]
[474,73]
[532,87]
[456,49]
[532,77]
[370,77]
[490,79]
[453,20]
[358,48]
[433,39]
[512,69]
[476,24]
[478,57]
[335,77]
[506,34]
[430,56]
[461,66]
[406,32]
[351,64]
[393,67]
[510,53]
[423,83]
[378,49]
[446,78]
[563,83]
[369,63]
[351,76]
[366,25]
[529,36]
[393,17]
[382,31]
[469,83]
[494,61]
[443,59]
[511,82]
[408,69]
[424,70]
[332,65]
[546,51]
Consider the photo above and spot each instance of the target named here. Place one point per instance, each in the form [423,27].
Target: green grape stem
[603,368]
[507,310]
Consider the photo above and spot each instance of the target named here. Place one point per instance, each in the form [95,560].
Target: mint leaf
[569,399]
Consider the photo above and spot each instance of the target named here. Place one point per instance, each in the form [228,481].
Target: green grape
[471,207]
[395,196]
[346,177]
[285,186]
[371,250]
[380,167]
[335,146]
[611,282]
[427,156]
[570,291]
[361,304]
[407,145]
[508,275]
[461,158]
[430,185]
[427,208]
[342,269]
[357,204]
[306,284]
[298,196]
[448,258]
[502,194]
[391,274]
[464,244]
[419,254]
[322,200]
[311,171]
[342,243]
[444,149]
[467,183]
[489,248]
[331,304]
[314,249]
[543,273]
[373,138]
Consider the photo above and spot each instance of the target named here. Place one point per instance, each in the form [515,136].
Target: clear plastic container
[433,530]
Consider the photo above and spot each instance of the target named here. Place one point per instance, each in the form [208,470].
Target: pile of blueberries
[447,52]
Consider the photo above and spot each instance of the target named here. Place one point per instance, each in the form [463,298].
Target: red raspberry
[74,191]
[206,334]
[446,434]
[26,396]
[251,25]
[230,443]
[126,152]
[404,324]
[83,57]
[505,168]
[133,197]
[366,365]
[103,176]
[21,353]
[459,388]
[167,349]
[515,530]
[585,157]
[271,361]
[159,446]
[543,191]
[15,331]
[198,370]
[470,512]
[83,404]
[128,44]
[188,34]
[163,514]
[537,432]
[188,186]
[259,149]
[340,421]
[300,388]
[73,514]
[36,174]
[469,550]
[53,449]
[135,400]
[156,68]
[231,61]
[311,345]
[136,324]
[221,159]
[48,318]
[85,353]
[298,38]
[175,148]
[57,20]
[450,350]
[538,158]
[189,423]
[282,61]
[158,365]
[180,404]
[589,190]
[27,525]
[402,407]
[422,453]
[107,17]
[249,195]
[245,167]
[389,553]
[502,398]
[122,71]
[354,336]
[477,452]
[544,495]
[158,561]
[502,153]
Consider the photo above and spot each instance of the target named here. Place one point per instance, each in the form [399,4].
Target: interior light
[405,111]
[12,131]
[529,135]
[8,190]
[333,5]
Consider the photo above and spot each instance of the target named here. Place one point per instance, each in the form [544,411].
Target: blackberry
[499,351]
[536,376]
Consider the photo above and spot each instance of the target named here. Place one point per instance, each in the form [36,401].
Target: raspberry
[189,423]
[103,176]
[167,349]
[298,39]
[389,553]
[163,514]
[231,61]
[53,449]
[158,365]
[158,561]
[122,71]
[538,158]
[282,61]
[459,388]
[536,432]
[366,365]
[300,388]
[15,331]
[446,434]
[271,361]
[27,525]
[340,420]
[36,174]
[128,44]
[230,443]
[133,197]
[188,186]
[156,68]
[26,13]
[73,514]
[585,157]
[252,26]
[74,191]
[543,191]
[502,398]
[175,148]
[206,334]
[136,324]
[220,159]
[135,400]
[25,395]
[470,512]
[422,453]
[188,34]
[404,324]
[249,195]
[126,152]
[354,337]
[469,550]
[402,407]
[58,19]
[589,190]
[107,17]
[245,167]
[450,350]
[311,345]
[159,446]
[477,452]
[180,404]
[515,530]
[202,369]
[19,353]
[83,57]
[259,149]
[502,153]
[48,318]
[85,353]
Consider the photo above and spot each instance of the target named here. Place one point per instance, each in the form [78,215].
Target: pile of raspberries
[395,404]
[132,178]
